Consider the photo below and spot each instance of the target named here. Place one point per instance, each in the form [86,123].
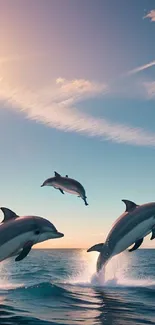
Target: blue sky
[77,95]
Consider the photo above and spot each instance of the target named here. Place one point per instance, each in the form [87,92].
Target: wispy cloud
[151,15]
[55,106]
[141,68]
[81,87]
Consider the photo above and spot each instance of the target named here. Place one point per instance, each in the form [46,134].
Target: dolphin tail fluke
[85,201]
[136,245]
[96,248]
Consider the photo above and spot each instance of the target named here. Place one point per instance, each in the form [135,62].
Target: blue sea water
[59,287]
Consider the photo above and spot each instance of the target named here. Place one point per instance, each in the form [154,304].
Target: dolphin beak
[42,185]
[59,234]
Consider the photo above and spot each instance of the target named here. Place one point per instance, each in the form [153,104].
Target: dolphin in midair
[19,234]
[130,228]
[66,184]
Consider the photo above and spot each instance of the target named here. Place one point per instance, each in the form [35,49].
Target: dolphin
[66,184]
[19,234]
[130,228]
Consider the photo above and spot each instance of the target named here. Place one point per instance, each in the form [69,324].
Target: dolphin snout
[42,185]
[59,234]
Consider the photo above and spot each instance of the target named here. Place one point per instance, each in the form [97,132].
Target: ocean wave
[76,298]
[13,316]
[45,288]
[64,287]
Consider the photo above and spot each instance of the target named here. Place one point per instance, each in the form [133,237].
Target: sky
[77,96]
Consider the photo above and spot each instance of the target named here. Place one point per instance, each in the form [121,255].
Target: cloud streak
[141,68]
[55,107]
[151,15]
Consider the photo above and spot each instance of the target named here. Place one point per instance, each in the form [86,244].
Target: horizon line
[50,248]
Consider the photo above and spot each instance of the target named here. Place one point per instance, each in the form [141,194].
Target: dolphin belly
[70,189]
[139,231]
[13,246]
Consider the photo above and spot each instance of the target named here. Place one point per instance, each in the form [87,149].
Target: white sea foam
[117,273]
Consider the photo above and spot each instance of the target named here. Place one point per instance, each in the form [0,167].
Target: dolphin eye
[37,232]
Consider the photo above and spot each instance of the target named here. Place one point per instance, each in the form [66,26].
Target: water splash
[117,273]
[6,281]
[113,272]
[86,267]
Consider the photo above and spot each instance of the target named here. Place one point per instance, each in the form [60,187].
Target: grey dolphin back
[8,214]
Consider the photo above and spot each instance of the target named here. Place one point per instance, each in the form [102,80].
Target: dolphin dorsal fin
[57,174]
[67,176]
[8,214]
[129,205]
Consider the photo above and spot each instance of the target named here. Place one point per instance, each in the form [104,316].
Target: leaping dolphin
[130,228]
[66,184]
[19,234]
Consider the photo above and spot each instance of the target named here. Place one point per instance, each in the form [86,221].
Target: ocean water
[60,287]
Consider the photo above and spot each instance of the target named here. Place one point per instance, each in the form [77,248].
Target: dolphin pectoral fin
[61,191]
[57,175]
[136,245]
[96,248]
[153,234]
[129,205]
[24,252]
[8,214]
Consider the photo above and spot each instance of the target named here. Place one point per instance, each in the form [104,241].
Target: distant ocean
[58,287]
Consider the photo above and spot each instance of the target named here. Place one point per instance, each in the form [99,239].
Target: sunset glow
[76,96]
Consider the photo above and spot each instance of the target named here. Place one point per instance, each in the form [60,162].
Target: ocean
[58,286]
